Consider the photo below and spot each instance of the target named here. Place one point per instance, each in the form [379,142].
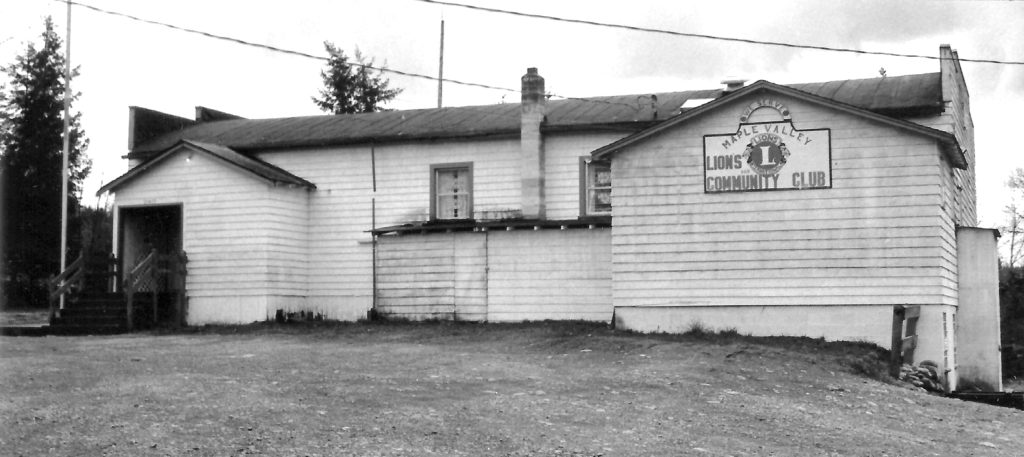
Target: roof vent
[691,103]
[733,84]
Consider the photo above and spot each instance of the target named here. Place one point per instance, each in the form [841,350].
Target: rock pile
[925,375]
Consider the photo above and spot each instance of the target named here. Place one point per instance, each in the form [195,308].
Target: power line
[274,48]
[321,58]
[710,37]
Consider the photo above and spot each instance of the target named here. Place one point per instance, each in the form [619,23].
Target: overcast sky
[126,63]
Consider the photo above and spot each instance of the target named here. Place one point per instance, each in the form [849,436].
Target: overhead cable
[711,37]
[321,58]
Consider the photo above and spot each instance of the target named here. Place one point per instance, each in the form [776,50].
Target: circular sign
[766,154]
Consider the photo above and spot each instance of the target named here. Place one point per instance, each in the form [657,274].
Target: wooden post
[911,315]
[903,342]
[180,272]
[129,297]
[155,307]
[51,289]
[154,276]
[896,349]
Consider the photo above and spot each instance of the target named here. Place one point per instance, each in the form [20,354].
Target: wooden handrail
[141,271]
[62,283]
[142,267]
[69,270]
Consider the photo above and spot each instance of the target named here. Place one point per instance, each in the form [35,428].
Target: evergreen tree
[351,87]
[31,148]
[1013,228]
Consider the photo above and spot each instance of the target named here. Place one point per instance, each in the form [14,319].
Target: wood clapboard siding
[470,275]
[959,194]
[549,274]
[562,154]
[416,276]
[403,177]
[244,236]
[876,237]
[344,206]
[338,253]
[496,276]
[438,275]
[287,243]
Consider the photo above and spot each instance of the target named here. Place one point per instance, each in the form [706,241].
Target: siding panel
[874,238]
[244,237]
[496,276]
[550,274]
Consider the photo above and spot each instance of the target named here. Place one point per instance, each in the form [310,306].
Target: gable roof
[254,166]
[890,96]
[950,145]
[898,96]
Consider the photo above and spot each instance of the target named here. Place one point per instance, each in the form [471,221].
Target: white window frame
[588,187]
[434,194]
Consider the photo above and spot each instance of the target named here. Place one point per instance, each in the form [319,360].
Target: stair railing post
[51,291]
[181,272]
[111,277]
[154,280]
[129,297]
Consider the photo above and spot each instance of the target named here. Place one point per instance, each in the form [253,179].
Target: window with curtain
[595,187]
[452,191]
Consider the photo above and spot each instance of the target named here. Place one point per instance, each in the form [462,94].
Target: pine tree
[352,87]
[31,148]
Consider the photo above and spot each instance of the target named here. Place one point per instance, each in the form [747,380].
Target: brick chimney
[531,143]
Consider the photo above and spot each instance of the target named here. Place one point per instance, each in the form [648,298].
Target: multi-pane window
[452,191]
[596,187]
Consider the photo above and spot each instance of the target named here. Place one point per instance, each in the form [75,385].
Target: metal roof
[892,96]
[949,143]
[895,95]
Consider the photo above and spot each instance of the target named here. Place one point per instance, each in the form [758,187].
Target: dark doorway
[141,230]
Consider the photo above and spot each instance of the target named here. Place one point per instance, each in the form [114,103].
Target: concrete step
[68,329]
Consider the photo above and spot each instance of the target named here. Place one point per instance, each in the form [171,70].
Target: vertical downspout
[373,224]
[487,275]
[455,279]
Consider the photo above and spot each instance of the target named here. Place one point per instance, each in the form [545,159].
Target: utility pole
[440,67]
[67,151]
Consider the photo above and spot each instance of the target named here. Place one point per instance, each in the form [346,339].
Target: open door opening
[142,232]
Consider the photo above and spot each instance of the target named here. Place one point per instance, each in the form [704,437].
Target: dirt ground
[475,390]
[24,317]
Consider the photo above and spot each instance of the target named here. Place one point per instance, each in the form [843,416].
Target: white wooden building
[808,209]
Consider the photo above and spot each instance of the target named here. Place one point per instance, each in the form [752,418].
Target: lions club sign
[767,156]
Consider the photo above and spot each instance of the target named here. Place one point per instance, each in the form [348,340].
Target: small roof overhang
[464,225]
[256,167]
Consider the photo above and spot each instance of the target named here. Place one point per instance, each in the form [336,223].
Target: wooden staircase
[95,313]
[98,301]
